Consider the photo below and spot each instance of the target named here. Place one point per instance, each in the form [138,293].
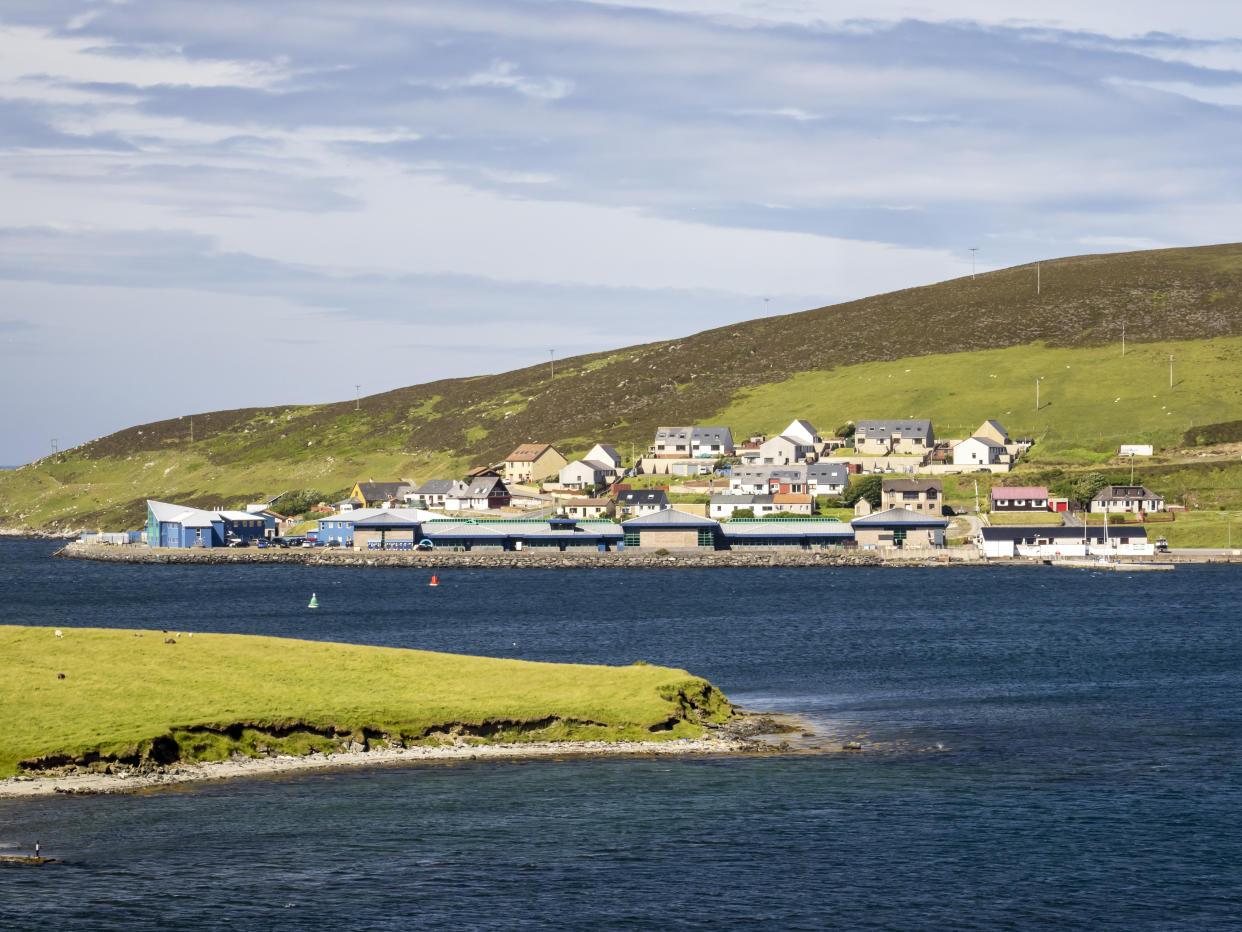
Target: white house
[978,451]
[434,493]
[581,473]
[803,432]
[606,454]
[782,450]
[827,478]
[1126,498]
[723,506]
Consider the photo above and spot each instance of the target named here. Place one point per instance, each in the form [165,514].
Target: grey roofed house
[912,485]
[642,497]
[692,437]
[440,487]
[733,498]
[883,430]
[828,473]
[669,517]
[485,487]
[383,491]
[763,473]
[1118,493]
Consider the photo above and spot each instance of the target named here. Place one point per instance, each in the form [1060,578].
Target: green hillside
[957,352]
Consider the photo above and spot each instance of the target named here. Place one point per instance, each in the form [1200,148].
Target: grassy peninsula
[132,699]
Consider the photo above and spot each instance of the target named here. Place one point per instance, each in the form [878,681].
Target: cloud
[504,74]
[372,165]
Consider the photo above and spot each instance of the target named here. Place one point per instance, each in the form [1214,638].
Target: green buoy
[314,602]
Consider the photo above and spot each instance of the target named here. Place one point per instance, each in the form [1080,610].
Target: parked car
[1162,545]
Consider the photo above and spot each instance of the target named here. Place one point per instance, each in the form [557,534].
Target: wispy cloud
[668,163]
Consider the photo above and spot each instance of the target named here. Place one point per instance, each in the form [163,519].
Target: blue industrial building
[181,526]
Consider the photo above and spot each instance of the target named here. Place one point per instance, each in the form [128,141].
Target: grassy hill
[140,699]
[958,352]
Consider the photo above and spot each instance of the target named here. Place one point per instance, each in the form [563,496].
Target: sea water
[1043,748]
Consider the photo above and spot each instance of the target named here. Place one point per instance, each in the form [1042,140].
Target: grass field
[1201,529]
[214,695]
[1044,518]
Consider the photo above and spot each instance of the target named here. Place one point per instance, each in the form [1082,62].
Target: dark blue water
[1093,726]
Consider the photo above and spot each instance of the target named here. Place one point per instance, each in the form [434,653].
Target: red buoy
[434,580]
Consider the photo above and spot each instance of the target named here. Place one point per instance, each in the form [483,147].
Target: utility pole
[55,446]
[1170,370]
[1037,381]
[191,428]
[552,361]
[973,250]
[976,496]
[1037,282]
[1123,338]
[357,397]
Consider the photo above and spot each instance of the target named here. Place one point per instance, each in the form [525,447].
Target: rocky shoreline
[748,732]
[35,534]
[528,559]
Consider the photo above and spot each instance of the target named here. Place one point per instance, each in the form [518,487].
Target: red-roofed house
[1019,498]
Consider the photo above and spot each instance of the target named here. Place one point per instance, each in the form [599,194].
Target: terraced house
[889,438]
[689,442]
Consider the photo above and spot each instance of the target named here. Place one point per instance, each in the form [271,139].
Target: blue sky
[222,204]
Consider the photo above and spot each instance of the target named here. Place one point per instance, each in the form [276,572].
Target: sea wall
[528,559]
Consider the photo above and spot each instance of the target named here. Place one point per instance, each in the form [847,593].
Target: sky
[220,204]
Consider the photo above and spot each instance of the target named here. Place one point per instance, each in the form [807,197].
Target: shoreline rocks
[742,735]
